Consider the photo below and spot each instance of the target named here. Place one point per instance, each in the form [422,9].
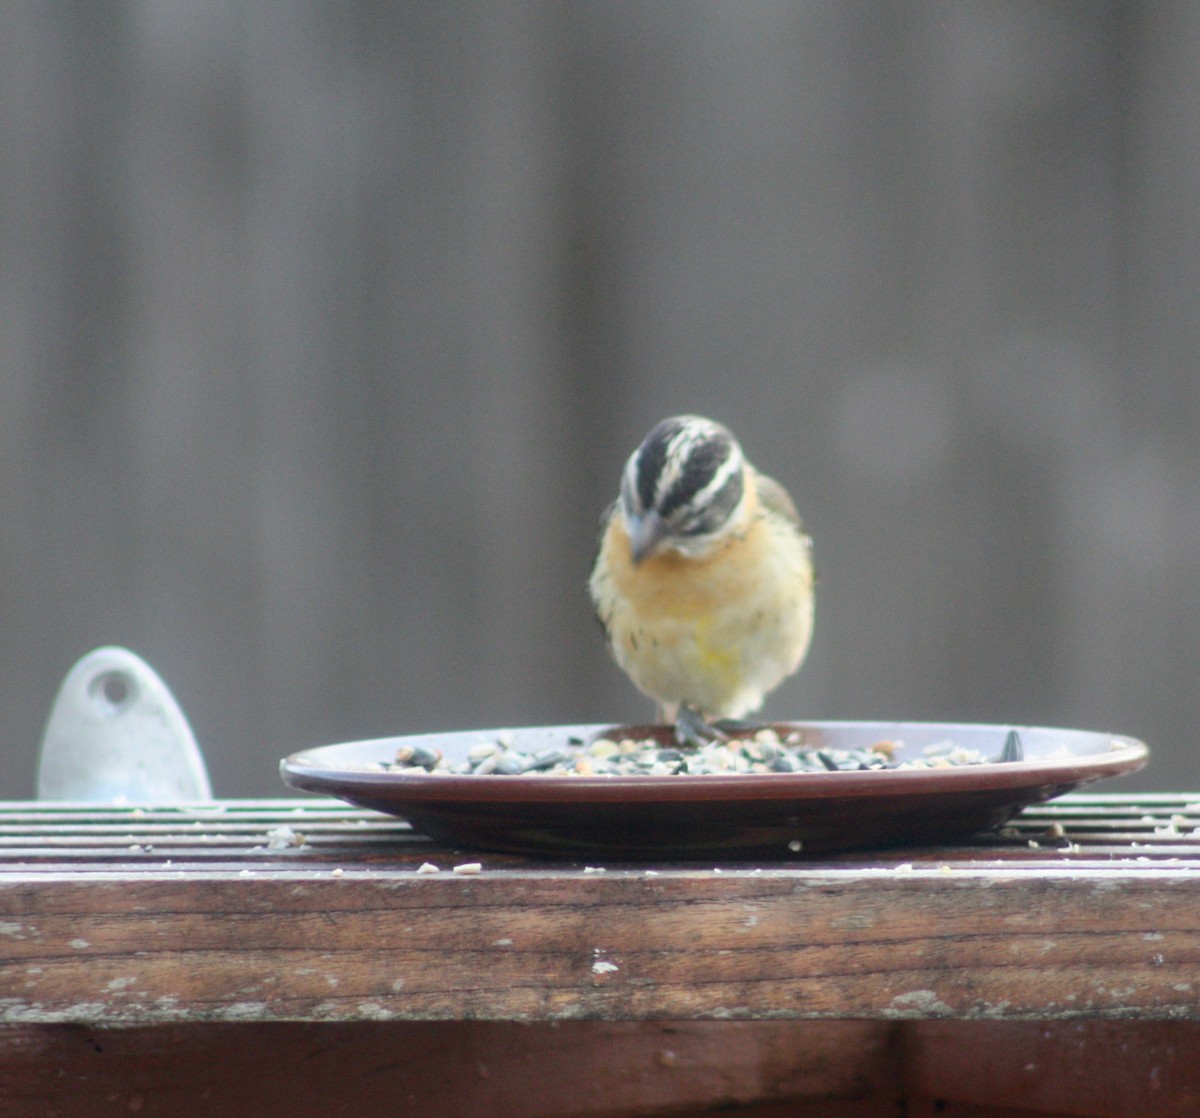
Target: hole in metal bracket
[112,691]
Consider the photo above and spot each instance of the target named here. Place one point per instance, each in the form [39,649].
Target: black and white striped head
[684,488]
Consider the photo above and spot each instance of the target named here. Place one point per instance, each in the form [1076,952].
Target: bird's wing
[776,499]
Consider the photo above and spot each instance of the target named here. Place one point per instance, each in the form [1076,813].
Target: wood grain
[131,916]
[562,944]
[141,949]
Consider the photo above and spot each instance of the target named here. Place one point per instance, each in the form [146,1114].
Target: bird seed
[765,752]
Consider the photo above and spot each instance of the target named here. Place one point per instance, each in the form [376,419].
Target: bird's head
[686,488]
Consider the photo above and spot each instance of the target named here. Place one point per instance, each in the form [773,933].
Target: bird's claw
[693,730]
[739,727]
[1013,750]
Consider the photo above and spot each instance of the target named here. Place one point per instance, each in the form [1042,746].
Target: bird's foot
[693,730]
[1013,750]
[739,727]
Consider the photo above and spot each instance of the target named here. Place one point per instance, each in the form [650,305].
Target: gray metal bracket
[116,735]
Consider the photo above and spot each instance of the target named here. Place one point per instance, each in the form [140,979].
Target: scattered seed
[511,763]
[418,757]
[469,868]
[427,867]
[487,764]
[280,838]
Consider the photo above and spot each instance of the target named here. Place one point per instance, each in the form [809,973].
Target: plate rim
[298,770]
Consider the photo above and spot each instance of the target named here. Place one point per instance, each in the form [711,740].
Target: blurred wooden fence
[326,329]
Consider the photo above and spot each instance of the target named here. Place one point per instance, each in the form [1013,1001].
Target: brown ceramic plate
[702,816]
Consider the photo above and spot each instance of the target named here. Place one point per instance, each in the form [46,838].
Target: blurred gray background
[327,328]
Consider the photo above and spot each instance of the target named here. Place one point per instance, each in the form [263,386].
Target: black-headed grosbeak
[704,579]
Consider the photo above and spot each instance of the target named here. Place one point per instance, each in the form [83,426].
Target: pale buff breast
[718,632]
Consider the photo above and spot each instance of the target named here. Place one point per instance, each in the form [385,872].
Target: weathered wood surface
[142,949]
[795,1069]
[131,917]
[535,946]
[446,1069]
[1094,1069]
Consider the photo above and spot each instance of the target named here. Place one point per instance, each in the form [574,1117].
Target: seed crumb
[427,867]
[280,838]
[469,868]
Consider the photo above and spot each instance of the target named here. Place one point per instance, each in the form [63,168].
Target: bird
[703,580]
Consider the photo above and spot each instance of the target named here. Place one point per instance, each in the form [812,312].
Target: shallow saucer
[718,815]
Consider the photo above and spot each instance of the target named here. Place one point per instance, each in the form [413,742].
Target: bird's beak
[645,534]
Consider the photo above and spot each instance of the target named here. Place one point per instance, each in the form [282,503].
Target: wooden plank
[629,944]
[1081,1069]
[940,1108]
[446,1069]
[618,1070]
